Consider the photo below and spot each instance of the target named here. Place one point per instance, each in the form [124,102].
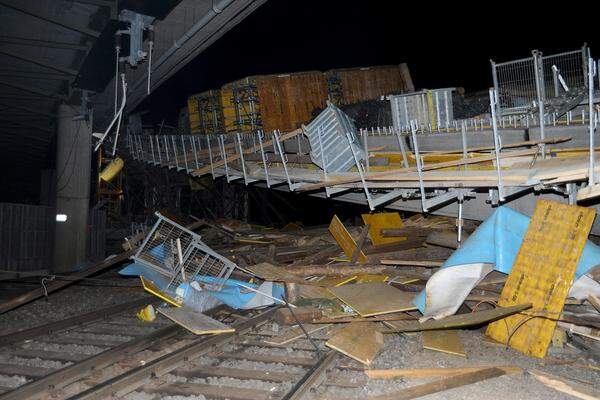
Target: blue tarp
[497,241]
[232,293]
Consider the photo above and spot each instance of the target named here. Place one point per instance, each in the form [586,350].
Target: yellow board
[366,278]
[344,239]
[542,275]
[444,341]
[381,221]
[150,287]
[358,340]
[335,281]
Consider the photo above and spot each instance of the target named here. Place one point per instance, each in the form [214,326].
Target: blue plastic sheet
[233,293]
[497,241]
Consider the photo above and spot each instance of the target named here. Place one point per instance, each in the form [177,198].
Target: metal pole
[493,105]
[592,118]
[413,131]
[539,85]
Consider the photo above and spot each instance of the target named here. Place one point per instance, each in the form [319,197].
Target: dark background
[445,44]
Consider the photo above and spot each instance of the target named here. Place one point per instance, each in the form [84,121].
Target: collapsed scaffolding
[339,158]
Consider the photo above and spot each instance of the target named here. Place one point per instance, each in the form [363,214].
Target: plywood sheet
[542,275]
[447,341]
[344,239]
[194,321]
[359,340]
[374,298]
[380,221]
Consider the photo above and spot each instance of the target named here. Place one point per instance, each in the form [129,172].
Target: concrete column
[73,166]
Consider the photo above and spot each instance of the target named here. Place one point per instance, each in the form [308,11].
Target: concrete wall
[73,165]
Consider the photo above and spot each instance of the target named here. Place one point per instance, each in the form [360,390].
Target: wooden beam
[397,173]
[442,384]
[50,19]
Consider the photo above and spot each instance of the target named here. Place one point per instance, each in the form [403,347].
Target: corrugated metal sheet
[26,237]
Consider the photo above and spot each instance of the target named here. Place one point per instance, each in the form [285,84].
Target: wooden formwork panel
[205,112]
[353,85]
[271,102]
[541,275]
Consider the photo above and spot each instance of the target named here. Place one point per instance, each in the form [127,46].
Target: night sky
[445,45]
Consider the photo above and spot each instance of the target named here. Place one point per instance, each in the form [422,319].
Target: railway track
[160,359]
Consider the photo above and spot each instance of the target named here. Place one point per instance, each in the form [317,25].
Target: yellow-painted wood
[380,221]
[344,239]
[151,288]
[374,298]
[542,275]
[444,341]
[359,340]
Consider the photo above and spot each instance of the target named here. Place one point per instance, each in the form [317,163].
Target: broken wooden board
[294,333]
[194,321]
[380,221]
[432,372]
[562,385]
[359,340]
[542,274]
[344,239]
[366,278]
[151,288]
[374,298]
[445,341]
[442,384]
[456,321]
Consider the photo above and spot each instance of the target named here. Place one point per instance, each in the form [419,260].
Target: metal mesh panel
[516,87]
[516,83]
[330,147]
[570,66]
[431,109]
[180,255]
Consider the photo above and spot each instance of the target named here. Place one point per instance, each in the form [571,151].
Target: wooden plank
[380,221]
[56,326]
[457,321]
[267,358]
[359,340]
[294,333]
[24,370]
[49,355]
[194,321]
[554,140]
[445,341]
[213,392]
[565,386]
[427,264]
[344,239]
[360,244]
[84,341]
[236,373]
[374,298]
[594,301]
[431,372]
[542,274]
[397,174]
[442,385]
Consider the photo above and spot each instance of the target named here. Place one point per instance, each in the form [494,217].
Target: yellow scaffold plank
[380,221]
[344,239]
[542,275]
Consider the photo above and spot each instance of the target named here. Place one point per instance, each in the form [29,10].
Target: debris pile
[531,283]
